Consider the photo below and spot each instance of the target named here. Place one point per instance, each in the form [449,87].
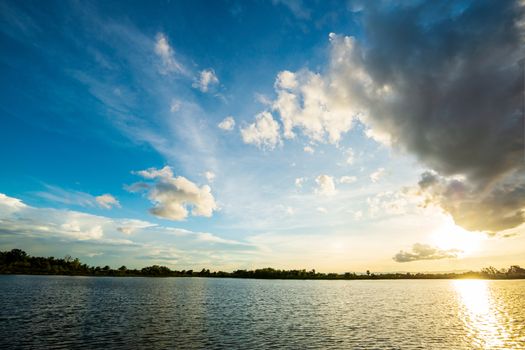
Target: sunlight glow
[451,236]
[480,313]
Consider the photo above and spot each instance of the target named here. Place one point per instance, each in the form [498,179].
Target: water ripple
[198,313]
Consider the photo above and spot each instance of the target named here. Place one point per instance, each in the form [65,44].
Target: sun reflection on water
[481,314]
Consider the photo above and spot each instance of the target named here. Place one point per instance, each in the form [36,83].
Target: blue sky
[235,134]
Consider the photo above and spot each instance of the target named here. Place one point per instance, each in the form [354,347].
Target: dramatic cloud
[227,124]
[206,78]
[176,197]
[107,201]
[264,132]
[325,185]
[425,252]
[500,208]
[167,56]
[447,90]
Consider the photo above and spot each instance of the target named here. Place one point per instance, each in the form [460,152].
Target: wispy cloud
[72,197]
[170,63]
[206,79]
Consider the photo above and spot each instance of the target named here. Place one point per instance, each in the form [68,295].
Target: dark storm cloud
[425,252]
[456,76]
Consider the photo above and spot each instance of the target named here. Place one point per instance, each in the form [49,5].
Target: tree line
[16,261]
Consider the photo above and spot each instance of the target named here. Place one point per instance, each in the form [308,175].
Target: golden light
[480,314]
[451,236]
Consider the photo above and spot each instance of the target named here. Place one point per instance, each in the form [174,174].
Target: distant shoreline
[18,262]
[366,278]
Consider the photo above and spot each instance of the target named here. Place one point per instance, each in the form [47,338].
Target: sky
[328,135]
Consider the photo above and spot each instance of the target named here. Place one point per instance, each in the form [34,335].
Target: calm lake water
[158,313]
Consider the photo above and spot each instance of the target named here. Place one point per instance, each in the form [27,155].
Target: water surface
[206,313]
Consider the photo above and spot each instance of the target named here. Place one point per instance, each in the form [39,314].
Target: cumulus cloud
[377,175]
[175,198]
[325,185]
[304,103]
[425,252]
[169,63]
[264,132]
[107,201]
[448,91]
[227,124]
[206,79]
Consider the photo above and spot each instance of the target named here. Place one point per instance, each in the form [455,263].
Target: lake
[205,313]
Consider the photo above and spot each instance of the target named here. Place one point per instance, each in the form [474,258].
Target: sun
[450,236]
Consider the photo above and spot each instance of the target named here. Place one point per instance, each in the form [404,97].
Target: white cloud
[326,186]
[309,149]
[347,179]
[107,201]
[286,80]
[206,79]
[322,210]
[167,56]
[264,132]
[210,176]
[305,101]
[10,204]
[377,175]
[227,123]
[92,235]
[300,181]
[177,197]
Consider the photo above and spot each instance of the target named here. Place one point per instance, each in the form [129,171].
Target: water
[204,313]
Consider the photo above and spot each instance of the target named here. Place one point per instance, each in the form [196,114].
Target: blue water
[203,313]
